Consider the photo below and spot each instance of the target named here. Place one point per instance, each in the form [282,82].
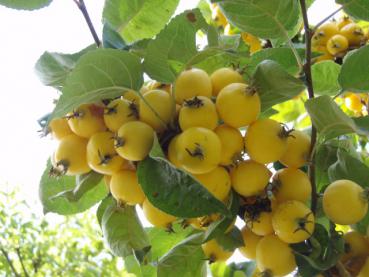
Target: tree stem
[82,7]
[309,84]
[10,263]
[21,262]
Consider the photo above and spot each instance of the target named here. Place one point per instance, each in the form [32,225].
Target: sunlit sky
[23,99]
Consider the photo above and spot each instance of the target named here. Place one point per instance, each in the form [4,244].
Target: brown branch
[342,270]
[10,263]
[309,84]
[82,7]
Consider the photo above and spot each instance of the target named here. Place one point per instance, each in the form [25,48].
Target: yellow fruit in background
[266,141]
[251,241]
[291,184]
[252,41]
[215,252]
[223,77]
[250,178]
[343,21]
[86,120]
[59,128]
[275,256]
[232,144]
[238,105]
[134,140]
[344,202]
[155,216]
[324,33]
[218,16]
[353,102]
[337,44]
[199,150]
[156,109]
[354,34]
[101,154]
[217,182]
[118,112]
[124,187]
[325,55]
[298,148]
[356,245]
[172,152]
[293,221]
[131,96]
[199,111]
[153,85]
[190,83]
[261,225]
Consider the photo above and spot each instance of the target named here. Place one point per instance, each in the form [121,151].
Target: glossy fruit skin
[198,111]
[155,216]
[101,154]
[274,255]
[353,102]
[72,150]
[261,226]
[232,144]
[251,241]
[161,102]
[291,184]
[293,221]
[252,41]
[124,187]
[152,85]
[223,77]
[356,245]
[118,112]
[199,150]
[134,140]
[344,203]
[217,182]
[337,44]
[298,148]
[191,83]
[237,105]
[324,33]
[131,96]
[364,272]
[59,128]
[354,34]
[325,55]
[250,178]
[172,152]
[86,120]
[266,141]
[343,21]
[215,252]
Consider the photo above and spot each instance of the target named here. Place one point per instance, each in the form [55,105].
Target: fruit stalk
[82,7]
[309,84]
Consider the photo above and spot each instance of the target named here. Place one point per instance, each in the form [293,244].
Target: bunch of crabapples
[336,38]
[357,103]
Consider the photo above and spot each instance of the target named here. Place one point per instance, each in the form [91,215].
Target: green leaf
[221,269]
[329,119]
[51,186]
[53,68]
[99,74]
[231,240]
[175,191]
[104,204]
[138,19]
[123,231]
[325,78]
[325,156]
[156,150]
[274,84]
[354,72]
[111,39]
[174,46]
[185,259]
[363,225]
[263,18]
[356,8]
[25,4]
[362,123]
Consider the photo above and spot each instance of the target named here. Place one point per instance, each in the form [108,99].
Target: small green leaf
[185,259]
[329,119]
[25,4]
[354,72]
[362,123]
[156,150]
[111,39]
[231,240]
[99,74]
[325,78]
[356,8]
[175,191]
[274,84]
[138,19]
[123,231]
[104,204]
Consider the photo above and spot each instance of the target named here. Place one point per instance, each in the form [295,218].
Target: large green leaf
[329,119]
[174,46]
[123,231]
[175,191]
[25,4]
[362,123]
[185,259]
[99,74]
[354,72]
[138,19]
[232,240]
[53,68]
[52,186]
[356,8]
[274,84]
[104,204]
[262,18]
[325,78]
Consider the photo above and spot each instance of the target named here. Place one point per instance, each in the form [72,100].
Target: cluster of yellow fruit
[357,103]
[335,38]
